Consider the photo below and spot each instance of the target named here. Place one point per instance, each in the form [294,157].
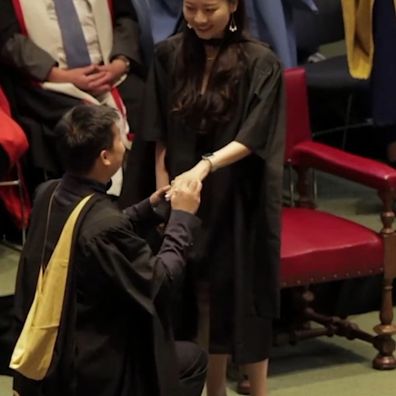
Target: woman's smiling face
[208,18]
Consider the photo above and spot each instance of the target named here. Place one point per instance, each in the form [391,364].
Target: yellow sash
[33,352]
[358,23]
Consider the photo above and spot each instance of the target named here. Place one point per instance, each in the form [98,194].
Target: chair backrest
[4,105]
[13,144]
[12,138]
[313,30]
[298,127]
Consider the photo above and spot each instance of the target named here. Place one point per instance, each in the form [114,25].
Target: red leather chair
[319,247]
[346,249]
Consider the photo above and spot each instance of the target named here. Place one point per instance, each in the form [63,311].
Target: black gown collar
[74,187]
[215,42]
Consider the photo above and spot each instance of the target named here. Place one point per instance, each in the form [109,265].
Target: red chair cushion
[320,247]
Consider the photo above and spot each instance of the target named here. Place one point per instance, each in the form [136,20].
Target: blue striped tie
[74,43]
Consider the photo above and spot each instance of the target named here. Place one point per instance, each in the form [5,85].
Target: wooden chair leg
[383,342]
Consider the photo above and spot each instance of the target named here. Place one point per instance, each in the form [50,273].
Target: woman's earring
[189,26]
[233,26]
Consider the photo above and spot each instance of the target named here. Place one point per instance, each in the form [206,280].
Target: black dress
[239,248]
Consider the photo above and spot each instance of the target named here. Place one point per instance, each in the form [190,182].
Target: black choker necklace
[215,42]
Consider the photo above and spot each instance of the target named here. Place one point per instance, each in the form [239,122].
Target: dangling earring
[189,26]
[233,26]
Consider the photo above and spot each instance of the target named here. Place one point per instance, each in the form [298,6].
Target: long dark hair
[216,105]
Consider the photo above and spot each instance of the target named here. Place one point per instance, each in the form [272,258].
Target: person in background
[58,57]
[158,20]
[273,22]
[370,37]
[13,146]
[165,17]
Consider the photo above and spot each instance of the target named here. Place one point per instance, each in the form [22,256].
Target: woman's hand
[190,177]
[197,173]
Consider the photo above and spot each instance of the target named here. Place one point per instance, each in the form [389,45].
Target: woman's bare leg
[243,386]
[257,373]
[216,377]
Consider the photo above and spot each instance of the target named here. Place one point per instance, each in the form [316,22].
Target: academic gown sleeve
[18,50]
[142,212]
[154,121]
[128,262]
[263,131]
[263,128]
[126,33]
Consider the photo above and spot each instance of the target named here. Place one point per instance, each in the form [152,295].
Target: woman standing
[214,108]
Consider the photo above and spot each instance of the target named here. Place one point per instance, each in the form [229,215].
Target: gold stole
[358,23]
[33,351]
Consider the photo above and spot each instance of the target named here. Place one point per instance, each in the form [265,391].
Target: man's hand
[89,78]
[186,196]
[116,69]
[158,196]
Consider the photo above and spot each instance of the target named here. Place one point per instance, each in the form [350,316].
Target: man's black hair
[83,132]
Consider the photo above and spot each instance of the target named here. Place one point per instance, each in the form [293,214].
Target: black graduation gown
[111,340]
[239,248]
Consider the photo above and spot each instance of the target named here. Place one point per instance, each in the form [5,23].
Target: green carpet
[328,367]
[8,265]
[325,367]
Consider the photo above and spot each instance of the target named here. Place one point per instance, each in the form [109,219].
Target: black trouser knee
[193,364]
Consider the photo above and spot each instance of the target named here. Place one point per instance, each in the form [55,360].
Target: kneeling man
[114,337]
